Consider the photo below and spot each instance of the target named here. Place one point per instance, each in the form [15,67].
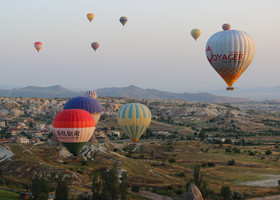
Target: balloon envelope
[123,20]
[91,94]
[195,33]
[134,119]
[230,52]
[85,103]
[38,46]
[90,16]
[95,45]
[73,128]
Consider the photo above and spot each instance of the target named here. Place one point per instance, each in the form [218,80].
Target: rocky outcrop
[193,193]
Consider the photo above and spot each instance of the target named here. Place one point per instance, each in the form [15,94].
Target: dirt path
[154,196]
[270,180]
[276,197]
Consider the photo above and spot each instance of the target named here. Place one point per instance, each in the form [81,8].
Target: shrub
[135,188]
[226,192]
[236,151]
[80,171]
[262,158]
[84,162]
[247,194]
[179,192]
[231,162]
[181,174]
[169,187]
[128,155]
[228,149]
[251,153]
[237,195]
[279,182]
[172,160]
[268,152]
[203,165]
[65,163]
[116,150]
[211,164]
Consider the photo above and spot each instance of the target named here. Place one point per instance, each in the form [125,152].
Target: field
[7,195]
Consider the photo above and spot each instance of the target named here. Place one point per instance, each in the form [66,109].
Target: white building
[115,133]
[23,140]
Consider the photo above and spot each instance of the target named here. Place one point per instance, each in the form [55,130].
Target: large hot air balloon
[73,128]
[85,103]
[91,94]
[38,46]
[123,20]
[134,119]
[90,16]
[95,45]
[195,33]
[230,52]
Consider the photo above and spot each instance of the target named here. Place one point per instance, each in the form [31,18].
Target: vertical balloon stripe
[137,111]
[132,132]
[130,110]
[136,133]
[127,130]
[124,110]
[143,111]
[142,130]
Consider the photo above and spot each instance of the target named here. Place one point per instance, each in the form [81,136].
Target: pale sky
[153,50]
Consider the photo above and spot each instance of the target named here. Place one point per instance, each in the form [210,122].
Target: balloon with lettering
[90,16]
[91,94]
[38,46]
[73,128]
[123,20]
[134,119]
[230,52]
[85,103]
[195,33]
[95,45]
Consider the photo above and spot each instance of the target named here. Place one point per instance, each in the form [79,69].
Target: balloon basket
[230,88]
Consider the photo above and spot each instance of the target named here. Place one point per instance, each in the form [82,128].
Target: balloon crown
[226,27]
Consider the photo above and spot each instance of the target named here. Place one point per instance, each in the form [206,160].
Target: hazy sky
[153,50]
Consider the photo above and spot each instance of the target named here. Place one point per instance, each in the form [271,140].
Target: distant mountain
[258,93]
[40,92]
[127,92]
[136,92]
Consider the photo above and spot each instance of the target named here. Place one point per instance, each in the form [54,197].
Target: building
[2,124]
[8,140]
[115,134]
[22,140]
[37,134]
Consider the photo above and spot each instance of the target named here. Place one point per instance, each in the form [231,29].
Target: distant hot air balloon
[134,119]
[73,128]
[95,45]
[91,94]
[123,20]
[38,46]
[195,33]
[85,103]
[90,16]
[230,52]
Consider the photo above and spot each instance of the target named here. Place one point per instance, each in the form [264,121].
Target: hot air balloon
[134,119]
[95,45]
[123,20]
[91,94]
[73,128]
[38,46]
[90,16]
[195,33]
[85,103]
[230,52]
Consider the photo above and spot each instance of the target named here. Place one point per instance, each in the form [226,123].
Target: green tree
[40,188]
[226,192]
[268,152]
[96,186]
[124,186]
[61,192]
